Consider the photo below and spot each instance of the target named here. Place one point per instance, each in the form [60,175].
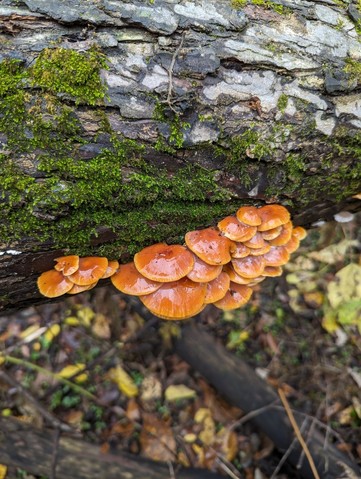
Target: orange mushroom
[299,232]
[271,234]
[67,264]
[272,216]
[249,215]
[76,289]
[277,256]
[284,236]
[272,271]
[164,263]
[129,281]
[235,277]
[53,284]
[249,267]
[236,231]
[91,269]
[203,272]
[210,246]
[111,269]
[217,288]
[260,251]
[256,242]
[180,299]
[241,251]
[237,295]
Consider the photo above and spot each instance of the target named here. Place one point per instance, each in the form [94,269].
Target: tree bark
[124,124]
[44,453]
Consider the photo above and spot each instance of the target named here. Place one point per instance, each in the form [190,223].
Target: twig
[253,414]
[44,412]
[171,470]
[297,432]
[288,452]
[226,468]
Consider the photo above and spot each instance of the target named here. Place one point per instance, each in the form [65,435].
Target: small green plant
[282,102]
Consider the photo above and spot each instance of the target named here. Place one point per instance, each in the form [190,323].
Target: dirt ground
[80,359]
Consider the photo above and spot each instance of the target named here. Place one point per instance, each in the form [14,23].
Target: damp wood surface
[123,125]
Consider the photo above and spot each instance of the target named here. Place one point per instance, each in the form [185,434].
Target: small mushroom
[111,269]
[277,256]
[67,264]
[271,234]
[236,231]
[284,236]
[256,242]
[241,251]
[76,289]
[249,215]
[53,284]
[272,216]
[210,246]
[203,272]
[164,263]
[180,299]
[237,295]
[249,267]
[129,281]
[299,232]
[235,277]
[272,271]
[91,269]
[217,288]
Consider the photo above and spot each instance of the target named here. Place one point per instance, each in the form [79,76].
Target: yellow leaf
[346,285]
[314,299]
[28,331]
[73,369]
[101,326]
[6,412]
[3,471]
[178,392]
[207,435]
[86,315]
[72,321]
[52,332]
[201,414]
[329,323]
[2,359]
[124,382]
[190,437]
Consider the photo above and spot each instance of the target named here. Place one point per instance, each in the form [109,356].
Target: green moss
[276,7]
[282,102]
[238,3]
[174,140]
[353,68]
[67,71]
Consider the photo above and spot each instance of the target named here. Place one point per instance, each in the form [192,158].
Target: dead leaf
[179,392]
[124,382]
[347,285]
[157,439]
[51,333]
[151,389]
[356,376]
[229,443]
[101,326]
[74,418]
[132,412]
[333,253]
[3,471]
[72,370]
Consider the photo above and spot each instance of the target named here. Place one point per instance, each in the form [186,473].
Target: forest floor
[301,332]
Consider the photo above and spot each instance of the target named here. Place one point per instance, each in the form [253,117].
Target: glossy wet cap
[210,246]
[164,263]
[91,269]
[236,231]
[53,284]
[217,288]
[67,264]
[203,272]
[129,281]
[111,269]
[180,299]
[249,215]
[249,267]
[237,295]
[272,216]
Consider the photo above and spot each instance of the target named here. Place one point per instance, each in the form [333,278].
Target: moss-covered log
[123,124]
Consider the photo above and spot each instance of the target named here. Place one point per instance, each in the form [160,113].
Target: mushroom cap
[164,263]
[272,271]
[249,215]
[236,296]
[235,230]
[241,251]
[249,267]
[284,236]
[210,245]
[292,244]
[299,232]
[53,284]
[277,256]
[271,234]
[129,281]
[67,264]
[180,299]
[273,216]
[260,251]
[203,272]
[76,289]
[256,241]
[111,269]
[217,288]
[235,277]
[91,269]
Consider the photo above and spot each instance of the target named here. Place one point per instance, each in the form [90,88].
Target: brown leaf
[132,411]
[157,439]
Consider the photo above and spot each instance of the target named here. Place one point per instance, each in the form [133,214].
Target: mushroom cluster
[216,265]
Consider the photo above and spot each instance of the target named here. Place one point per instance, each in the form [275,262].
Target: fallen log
[46,453]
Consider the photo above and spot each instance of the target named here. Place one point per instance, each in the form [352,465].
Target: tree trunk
[128,123]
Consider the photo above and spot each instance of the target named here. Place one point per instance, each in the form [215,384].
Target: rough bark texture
[127,123]
[44,453]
